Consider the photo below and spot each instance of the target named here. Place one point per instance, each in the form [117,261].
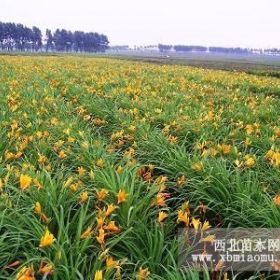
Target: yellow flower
[26,273]
[172,139]
[71,140]
[250,161]
[196,224]
[205,226]
[276,159]
[209,238]
[37,184]
[38,208]
[102,194]
[225,149]
[197,166]
[42,159]
[119,170]
[100,221]
[121,196]
[25,182]
[100,163]
[47,239]
[74,187]
[162,216]
[110,209]
[91,175]
[181,181]
[101,236]
[88,232]
[98,275]
[83,197]
[68,182]
[143,274]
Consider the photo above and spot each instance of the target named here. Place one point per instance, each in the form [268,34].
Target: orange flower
[62,155]
[143,274]
[101,236]
[183,217]
[88,232]
[46,268]
[276,200]
[160,199]
[26,273]
[111,263]
[81,171]
[110,209]
[112,227]
[121,196]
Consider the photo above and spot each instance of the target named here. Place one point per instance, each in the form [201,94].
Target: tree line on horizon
[17,37]
[186,48]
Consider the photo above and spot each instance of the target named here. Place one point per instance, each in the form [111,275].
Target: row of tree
[185,48]
[17,37]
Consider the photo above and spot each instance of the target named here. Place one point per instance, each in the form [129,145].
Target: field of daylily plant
[103,160]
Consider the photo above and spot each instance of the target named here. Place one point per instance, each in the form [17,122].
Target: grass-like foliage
[101,161]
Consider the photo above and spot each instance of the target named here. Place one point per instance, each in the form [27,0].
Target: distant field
[256,64]
[103,160]
[267,65]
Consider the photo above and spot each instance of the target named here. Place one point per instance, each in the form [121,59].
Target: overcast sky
[245,23]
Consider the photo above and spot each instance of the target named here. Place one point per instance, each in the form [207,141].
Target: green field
[103,160]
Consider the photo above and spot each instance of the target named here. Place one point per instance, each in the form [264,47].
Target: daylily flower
[110,209]
[121,196]
[88,232]
[47,239]
[101,236]
[143,273]
[112,227]
[25,182]
[102,194]
[26,273]
[162,216]
[46,268]
[98,275]
[83,197]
